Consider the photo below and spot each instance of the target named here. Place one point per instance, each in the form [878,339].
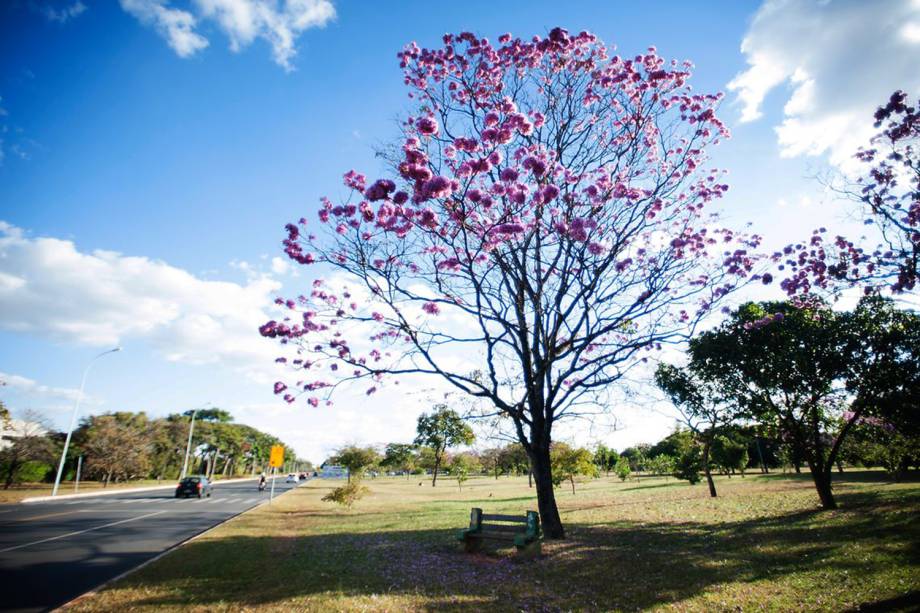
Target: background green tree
[810,373]
[462,465]
[356,459]
[729,454]
[28,453]
[400,457]
[440,430]
[621,468]
[605,458]
[569,462]
[702,409]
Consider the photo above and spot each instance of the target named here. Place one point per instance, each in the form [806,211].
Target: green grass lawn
[762,545]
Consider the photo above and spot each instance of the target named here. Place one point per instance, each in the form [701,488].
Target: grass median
[763,544]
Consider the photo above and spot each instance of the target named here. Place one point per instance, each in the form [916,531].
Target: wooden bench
[523,531]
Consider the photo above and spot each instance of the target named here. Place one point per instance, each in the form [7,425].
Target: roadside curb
[117,491]
[163,553]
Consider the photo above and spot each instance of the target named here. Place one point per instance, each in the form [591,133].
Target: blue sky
[182,162]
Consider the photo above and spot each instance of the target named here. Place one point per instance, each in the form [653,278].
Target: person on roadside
[262,482]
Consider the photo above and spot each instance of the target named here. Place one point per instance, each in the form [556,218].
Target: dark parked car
[193,486]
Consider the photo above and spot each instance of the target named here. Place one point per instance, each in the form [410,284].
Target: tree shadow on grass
[639,486]
[492,500]
[656,563]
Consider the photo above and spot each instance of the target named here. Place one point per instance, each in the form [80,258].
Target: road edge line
[104,584]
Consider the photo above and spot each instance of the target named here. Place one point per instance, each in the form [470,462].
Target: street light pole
[188,446]
[73,419]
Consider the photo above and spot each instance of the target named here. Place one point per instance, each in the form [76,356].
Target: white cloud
[841,60]
[278,22]
[31,387]
[174,25]
[50,288]
[388,416]
[65,13]
[280,266]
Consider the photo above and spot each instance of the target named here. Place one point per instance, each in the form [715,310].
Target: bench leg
[529,551]
[472,545]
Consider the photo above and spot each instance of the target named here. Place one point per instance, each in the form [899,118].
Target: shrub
[622,468]
[347,495]
[688,464]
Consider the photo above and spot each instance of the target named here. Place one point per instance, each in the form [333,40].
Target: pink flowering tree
[545,221]
[889,198]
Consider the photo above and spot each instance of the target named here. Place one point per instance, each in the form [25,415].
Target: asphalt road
[52,552]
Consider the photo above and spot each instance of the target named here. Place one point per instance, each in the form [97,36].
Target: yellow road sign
[276,459]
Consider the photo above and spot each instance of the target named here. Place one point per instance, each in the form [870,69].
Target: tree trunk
[214,464]
[707,470]
[572,479]
[530,478]
[10,473]
[546,496]
[822,479]
[437,465]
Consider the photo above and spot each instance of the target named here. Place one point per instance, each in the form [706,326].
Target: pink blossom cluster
[889,194]
[482,185]
[764,321]
[868,420]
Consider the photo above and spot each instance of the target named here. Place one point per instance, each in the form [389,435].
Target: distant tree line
[126,445]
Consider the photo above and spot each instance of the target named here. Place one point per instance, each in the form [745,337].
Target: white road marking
[61,536]
[251,500]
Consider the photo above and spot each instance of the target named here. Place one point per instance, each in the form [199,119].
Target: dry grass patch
[763,544]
